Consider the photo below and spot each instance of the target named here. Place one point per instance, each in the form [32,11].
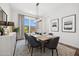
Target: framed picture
[55,25]
[3,15]
[69,23]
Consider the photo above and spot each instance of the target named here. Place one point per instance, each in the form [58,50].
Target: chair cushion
[33,42]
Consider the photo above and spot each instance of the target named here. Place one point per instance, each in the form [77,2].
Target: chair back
[50,33]
[32,41]
[36,33]
[53,43]
[26,36]
[44,33]
[40,33]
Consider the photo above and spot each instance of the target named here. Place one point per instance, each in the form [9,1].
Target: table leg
[43,48]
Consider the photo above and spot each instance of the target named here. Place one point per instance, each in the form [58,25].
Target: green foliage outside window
[25,29]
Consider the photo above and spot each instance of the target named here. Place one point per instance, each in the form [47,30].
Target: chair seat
[36,45]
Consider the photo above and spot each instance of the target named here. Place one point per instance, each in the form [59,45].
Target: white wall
[14,17]
[59,11]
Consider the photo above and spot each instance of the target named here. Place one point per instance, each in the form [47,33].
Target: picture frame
[55,25]
[69,23]
[3,15]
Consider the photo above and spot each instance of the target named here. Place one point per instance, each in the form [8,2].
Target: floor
[22,50]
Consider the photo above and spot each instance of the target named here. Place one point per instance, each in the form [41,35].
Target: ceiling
[30,8]
[25,7]
[45,9]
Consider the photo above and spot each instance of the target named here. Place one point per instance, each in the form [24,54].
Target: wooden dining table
[43,39]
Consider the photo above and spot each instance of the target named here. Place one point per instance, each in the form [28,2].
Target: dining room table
[43,39]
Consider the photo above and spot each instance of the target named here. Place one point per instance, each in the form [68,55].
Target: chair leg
[52,52]
[29,48]
[31,51]
[57,52]
[25,42]
[44,49]
[41,49]
[28,45]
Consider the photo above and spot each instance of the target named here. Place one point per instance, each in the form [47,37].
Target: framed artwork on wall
[69,23]
[3,15]
[55,25]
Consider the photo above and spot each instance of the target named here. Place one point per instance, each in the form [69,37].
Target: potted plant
[16,30]
[1,30]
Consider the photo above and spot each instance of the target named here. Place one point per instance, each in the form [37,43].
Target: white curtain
[21,26]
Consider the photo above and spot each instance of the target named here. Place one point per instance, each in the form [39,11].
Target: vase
[2,33]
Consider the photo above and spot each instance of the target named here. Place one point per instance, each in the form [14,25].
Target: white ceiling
[45,9]
[25,7]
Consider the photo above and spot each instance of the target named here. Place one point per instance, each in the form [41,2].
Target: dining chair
[36,33]
[40,33]
[44,33]
[26,36]
[50,33]
[26,40]
[33,43]
[52,44]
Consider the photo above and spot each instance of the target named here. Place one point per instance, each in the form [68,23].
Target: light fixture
[37,13]
[37,10]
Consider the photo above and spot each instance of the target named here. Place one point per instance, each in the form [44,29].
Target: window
[33,25]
